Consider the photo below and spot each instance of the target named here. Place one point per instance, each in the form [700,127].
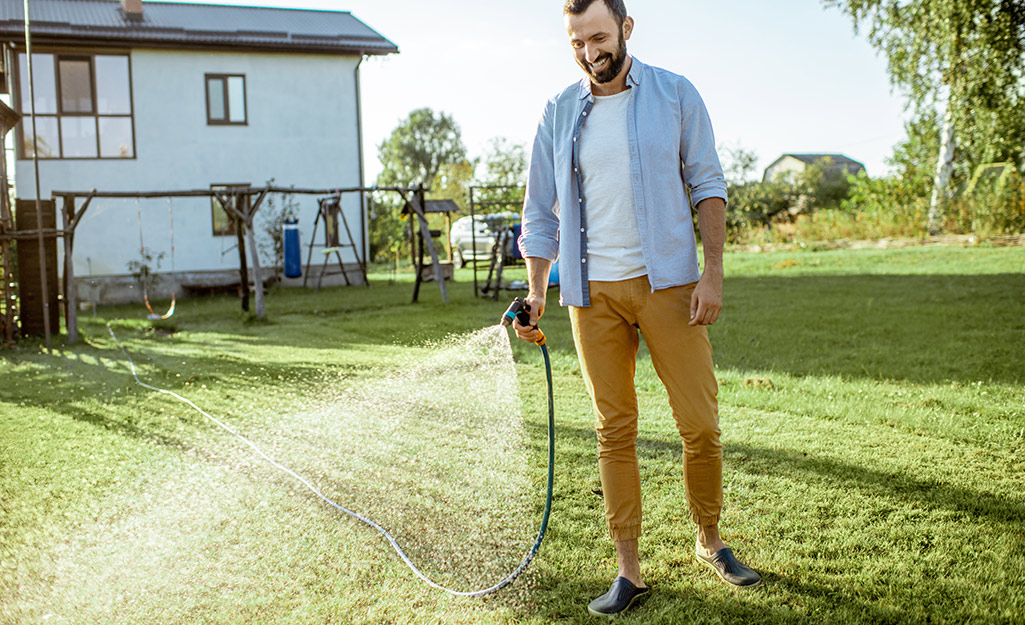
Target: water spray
[518,310]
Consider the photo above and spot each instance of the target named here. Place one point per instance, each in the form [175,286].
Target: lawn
[873,417]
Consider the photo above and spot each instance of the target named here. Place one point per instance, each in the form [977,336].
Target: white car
[462,237]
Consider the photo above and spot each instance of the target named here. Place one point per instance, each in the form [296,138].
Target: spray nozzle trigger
[517,310]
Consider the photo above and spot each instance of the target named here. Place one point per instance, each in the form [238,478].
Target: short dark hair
[576,7]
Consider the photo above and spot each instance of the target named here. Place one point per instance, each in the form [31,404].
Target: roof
[182,25]
[838,159]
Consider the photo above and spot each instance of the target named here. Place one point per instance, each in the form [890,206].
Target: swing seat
[154,316]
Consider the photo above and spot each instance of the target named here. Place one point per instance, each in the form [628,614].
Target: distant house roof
[839,165]
[837,159]
[180,25]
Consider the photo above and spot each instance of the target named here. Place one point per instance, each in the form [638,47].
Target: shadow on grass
[564,594]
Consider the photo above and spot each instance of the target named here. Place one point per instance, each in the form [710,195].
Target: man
[613,163]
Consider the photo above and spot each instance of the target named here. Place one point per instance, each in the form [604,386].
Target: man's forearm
[712,224]
[537,275]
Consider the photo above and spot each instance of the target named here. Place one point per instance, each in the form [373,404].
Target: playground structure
[241,204]
[506,231]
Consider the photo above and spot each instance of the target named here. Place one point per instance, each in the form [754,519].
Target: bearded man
[618,160]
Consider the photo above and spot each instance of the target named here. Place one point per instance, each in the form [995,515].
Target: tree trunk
[944,168]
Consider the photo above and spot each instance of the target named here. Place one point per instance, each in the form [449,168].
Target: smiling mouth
[600,64]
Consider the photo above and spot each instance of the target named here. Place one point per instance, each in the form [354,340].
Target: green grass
[873,418]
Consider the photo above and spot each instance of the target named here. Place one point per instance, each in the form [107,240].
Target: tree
[419,147]
[968,53]
[505,164]
[426,148]
[738,164]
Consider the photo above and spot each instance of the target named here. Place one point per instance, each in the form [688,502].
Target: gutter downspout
[363,217]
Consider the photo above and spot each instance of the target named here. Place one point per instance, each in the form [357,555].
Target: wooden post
[257,274]
[70,291]
[6,275]
[240,225]
[418,207]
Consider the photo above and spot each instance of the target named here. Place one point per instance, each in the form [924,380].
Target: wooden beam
[70,292]
[257,272]
[416,203]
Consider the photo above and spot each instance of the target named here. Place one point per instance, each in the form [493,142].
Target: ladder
[329,212]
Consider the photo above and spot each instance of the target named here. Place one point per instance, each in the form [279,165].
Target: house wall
[301,131]
[786,166]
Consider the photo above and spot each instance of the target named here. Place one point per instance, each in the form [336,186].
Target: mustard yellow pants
[606,337]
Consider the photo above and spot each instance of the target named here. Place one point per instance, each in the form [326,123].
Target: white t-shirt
[613,239]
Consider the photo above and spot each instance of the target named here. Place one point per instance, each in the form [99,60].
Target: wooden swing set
[241,204]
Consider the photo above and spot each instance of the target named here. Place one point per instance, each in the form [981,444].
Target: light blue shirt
[672,155]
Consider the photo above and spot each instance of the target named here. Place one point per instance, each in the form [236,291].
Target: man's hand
[537,308]
[537,278]
[706,301]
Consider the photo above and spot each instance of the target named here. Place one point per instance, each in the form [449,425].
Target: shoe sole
[615,614]
[719,575]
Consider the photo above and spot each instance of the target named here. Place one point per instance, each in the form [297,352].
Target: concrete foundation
[125,289]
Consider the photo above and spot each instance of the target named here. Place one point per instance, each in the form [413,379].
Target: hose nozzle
[519,309]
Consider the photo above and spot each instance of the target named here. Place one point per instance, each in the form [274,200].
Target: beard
[612,67]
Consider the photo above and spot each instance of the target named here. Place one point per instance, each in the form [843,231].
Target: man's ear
[628,27]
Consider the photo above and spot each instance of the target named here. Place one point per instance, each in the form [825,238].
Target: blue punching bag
[293,253]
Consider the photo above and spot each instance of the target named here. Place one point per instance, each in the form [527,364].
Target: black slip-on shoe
[621,595]
[729,568]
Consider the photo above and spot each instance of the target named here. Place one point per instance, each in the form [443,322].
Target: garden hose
[359,517]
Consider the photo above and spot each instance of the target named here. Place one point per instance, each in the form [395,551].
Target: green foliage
[738,164]
[426,148]
[970,53]
[144,268]
[505,163]
[758,205]
[419,147]
[996,202]
[274,213]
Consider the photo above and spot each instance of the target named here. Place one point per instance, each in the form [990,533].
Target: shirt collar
[634,76]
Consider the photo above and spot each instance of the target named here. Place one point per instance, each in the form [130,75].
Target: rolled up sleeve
[702,172]
[540,226]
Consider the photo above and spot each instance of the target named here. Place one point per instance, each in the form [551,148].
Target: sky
[776,76]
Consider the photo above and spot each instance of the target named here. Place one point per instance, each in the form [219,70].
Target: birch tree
[968,55]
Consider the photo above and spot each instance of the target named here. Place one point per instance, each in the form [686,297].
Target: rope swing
[142,250]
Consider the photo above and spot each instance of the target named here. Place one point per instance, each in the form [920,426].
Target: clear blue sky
[779,76]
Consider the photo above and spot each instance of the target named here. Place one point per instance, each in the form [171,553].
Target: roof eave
[375,48]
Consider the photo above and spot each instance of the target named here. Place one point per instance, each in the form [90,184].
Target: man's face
[599,43]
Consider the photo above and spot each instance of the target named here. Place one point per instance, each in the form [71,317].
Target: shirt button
[574,138]
[585,113]
[581,230]
[581,200]
[583,260]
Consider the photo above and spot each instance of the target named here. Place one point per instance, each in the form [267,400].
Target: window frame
[223,78]
[73,54]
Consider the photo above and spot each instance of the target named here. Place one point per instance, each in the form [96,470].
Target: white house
[835,166]
[145,96]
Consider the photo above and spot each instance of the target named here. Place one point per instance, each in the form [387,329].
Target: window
[225,99]
[83,106]
[223,223]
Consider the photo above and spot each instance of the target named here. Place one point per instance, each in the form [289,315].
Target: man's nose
[591,53]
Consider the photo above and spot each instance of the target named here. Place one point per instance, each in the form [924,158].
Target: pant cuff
[705,521]
[625,532]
